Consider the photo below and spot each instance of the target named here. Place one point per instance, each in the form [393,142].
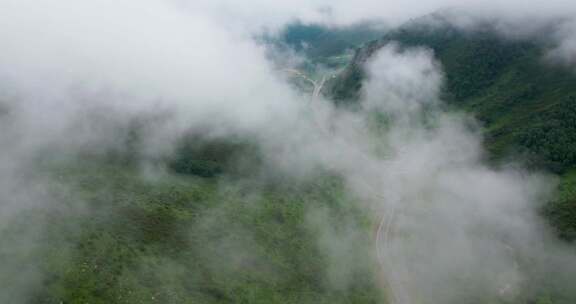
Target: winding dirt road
[317,85]
[392,280]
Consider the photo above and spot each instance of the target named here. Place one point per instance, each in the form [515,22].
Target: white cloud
[64,60]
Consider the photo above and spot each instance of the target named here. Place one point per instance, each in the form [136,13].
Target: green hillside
[526,105]
[191,239]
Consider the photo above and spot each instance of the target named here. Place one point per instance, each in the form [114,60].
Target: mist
[76,75]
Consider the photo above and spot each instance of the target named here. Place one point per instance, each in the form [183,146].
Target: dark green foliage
[562,211]
[347,85]
[551,137]
[204,157]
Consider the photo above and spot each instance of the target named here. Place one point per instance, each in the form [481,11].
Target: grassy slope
[187,239]
[527,107]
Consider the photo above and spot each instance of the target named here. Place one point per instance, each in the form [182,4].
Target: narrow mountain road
[392,280]
[317,85]
[391,274]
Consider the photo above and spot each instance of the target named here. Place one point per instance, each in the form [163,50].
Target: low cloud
[75,72]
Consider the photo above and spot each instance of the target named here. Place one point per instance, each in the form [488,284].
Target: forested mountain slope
[527,106]
[187,239]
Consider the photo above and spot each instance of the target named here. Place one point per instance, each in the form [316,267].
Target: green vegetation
[211,231]
[562,211]
[526,105]
[188,239]
[204,157]
[321,47]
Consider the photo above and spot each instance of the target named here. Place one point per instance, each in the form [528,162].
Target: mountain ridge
[526,105]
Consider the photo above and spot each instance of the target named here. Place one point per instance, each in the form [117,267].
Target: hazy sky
[346,11]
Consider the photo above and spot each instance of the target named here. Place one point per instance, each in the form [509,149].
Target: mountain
[217,229]
[527,106]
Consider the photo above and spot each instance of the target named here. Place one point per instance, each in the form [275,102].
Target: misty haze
[298,152]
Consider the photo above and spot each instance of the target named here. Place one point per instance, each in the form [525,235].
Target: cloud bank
[74,72]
